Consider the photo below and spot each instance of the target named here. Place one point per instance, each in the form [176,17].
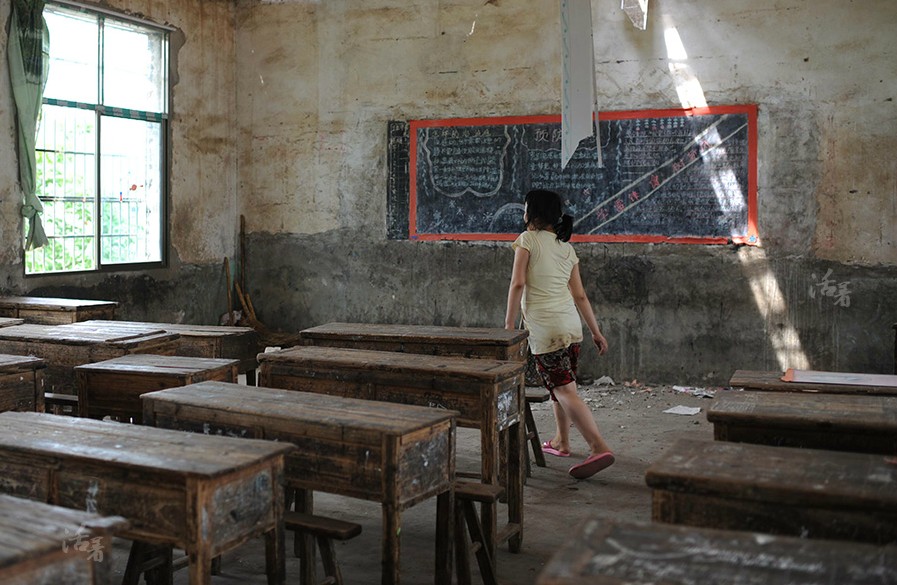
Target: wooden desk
[394,454]
[207,341]
[48,545]
[488,394]
[772,381]
[780,490]
[469,342]
[113,387]
[203,494]
[50,311]
[604,552]
[21,383]
[839,422]
[63,348]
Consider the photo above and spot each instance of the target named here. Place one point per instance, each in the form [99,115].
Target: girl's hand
[600,343]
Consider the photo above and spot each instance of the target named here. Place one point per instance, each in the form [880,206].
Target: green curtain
[28,52]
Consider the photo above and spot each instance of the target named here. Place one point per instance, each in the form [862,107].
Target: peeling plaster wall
[202,176]
[318,81]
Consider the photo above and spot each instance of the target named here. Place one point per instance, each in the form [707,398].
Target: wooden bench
[779,490]
[606,552]
[466,495]
[53,311]
[113,387]
[830,382]
[395,454]
[470,342]
[325,531]
[203,494]
[205,341]
[62,348]
[42,544]
[534,396]
[487,394]
[21,383]
[839,422]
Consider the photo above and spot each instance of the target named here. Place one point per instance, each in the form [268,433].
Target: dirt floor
[630,416]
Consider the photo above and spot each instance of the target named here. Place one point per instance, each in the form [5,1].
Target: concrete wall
[280,112]
[202,201]
[318,81]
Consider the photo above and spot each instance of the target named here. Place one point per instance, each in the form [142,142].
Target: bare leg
[561,440]
[578,412]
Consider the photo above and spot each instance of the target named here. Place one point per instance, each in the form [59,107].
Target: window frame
[101,110]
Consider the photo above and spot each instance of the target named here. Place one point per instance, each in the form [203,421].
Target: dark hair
[544,209]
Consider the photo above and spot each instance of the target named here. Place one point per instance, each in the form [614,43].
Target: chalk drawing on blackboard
[507,214]
[472,164]
[679,176]
[701,148]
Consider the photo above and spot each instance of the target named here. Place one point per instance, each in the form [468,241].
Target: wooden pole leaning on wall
[230,299]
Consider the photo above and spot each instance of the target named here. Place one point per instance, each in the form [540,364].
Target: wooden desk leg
[201,564]
[303,543]
[489,510]
[516,479]
[445,538]
[392,526]
[275,547]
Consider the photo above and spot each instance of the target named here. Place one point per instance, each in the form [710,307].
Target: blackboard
[684,176]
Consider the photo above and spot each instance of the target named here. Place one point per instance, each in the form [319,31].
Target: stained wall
[280,112]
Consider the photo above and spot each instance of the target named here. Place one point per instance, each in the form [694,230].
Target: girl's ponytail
[564,227]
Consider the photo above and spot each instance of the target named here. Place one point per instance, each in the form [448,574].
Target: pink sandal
[547,448]
[592,465]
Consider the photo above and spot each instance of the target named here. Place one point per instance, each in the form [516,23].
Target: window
[101,143]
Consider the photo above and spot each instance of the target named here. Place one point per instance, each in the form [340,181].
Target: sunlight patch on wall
[782,335]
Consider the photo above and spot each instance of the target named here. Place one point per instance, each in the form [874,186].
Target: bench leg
[532,434]
[462,552]
[484,558]
[328,559]
[304,544]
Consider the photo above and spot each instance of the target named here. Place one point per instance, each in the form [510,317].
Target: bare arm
[515,290]
[585,309]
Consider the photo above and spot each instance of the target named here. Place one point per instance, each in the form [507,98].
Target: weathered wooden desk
[207,341]
[394,454]
[48,545]
[63,348]
[203,494]
[21,383]
[113,387]
[488,394]
[837,383]
[839,422]
[780,490]
[50,311]
[470,342]
[605,552]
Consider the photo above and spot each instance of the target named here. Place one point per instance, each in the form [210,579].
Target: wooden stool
[466,493]
[532,433]
[325,530]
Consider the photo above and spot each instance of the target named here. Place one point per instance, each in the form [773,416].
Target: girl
[546,285]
